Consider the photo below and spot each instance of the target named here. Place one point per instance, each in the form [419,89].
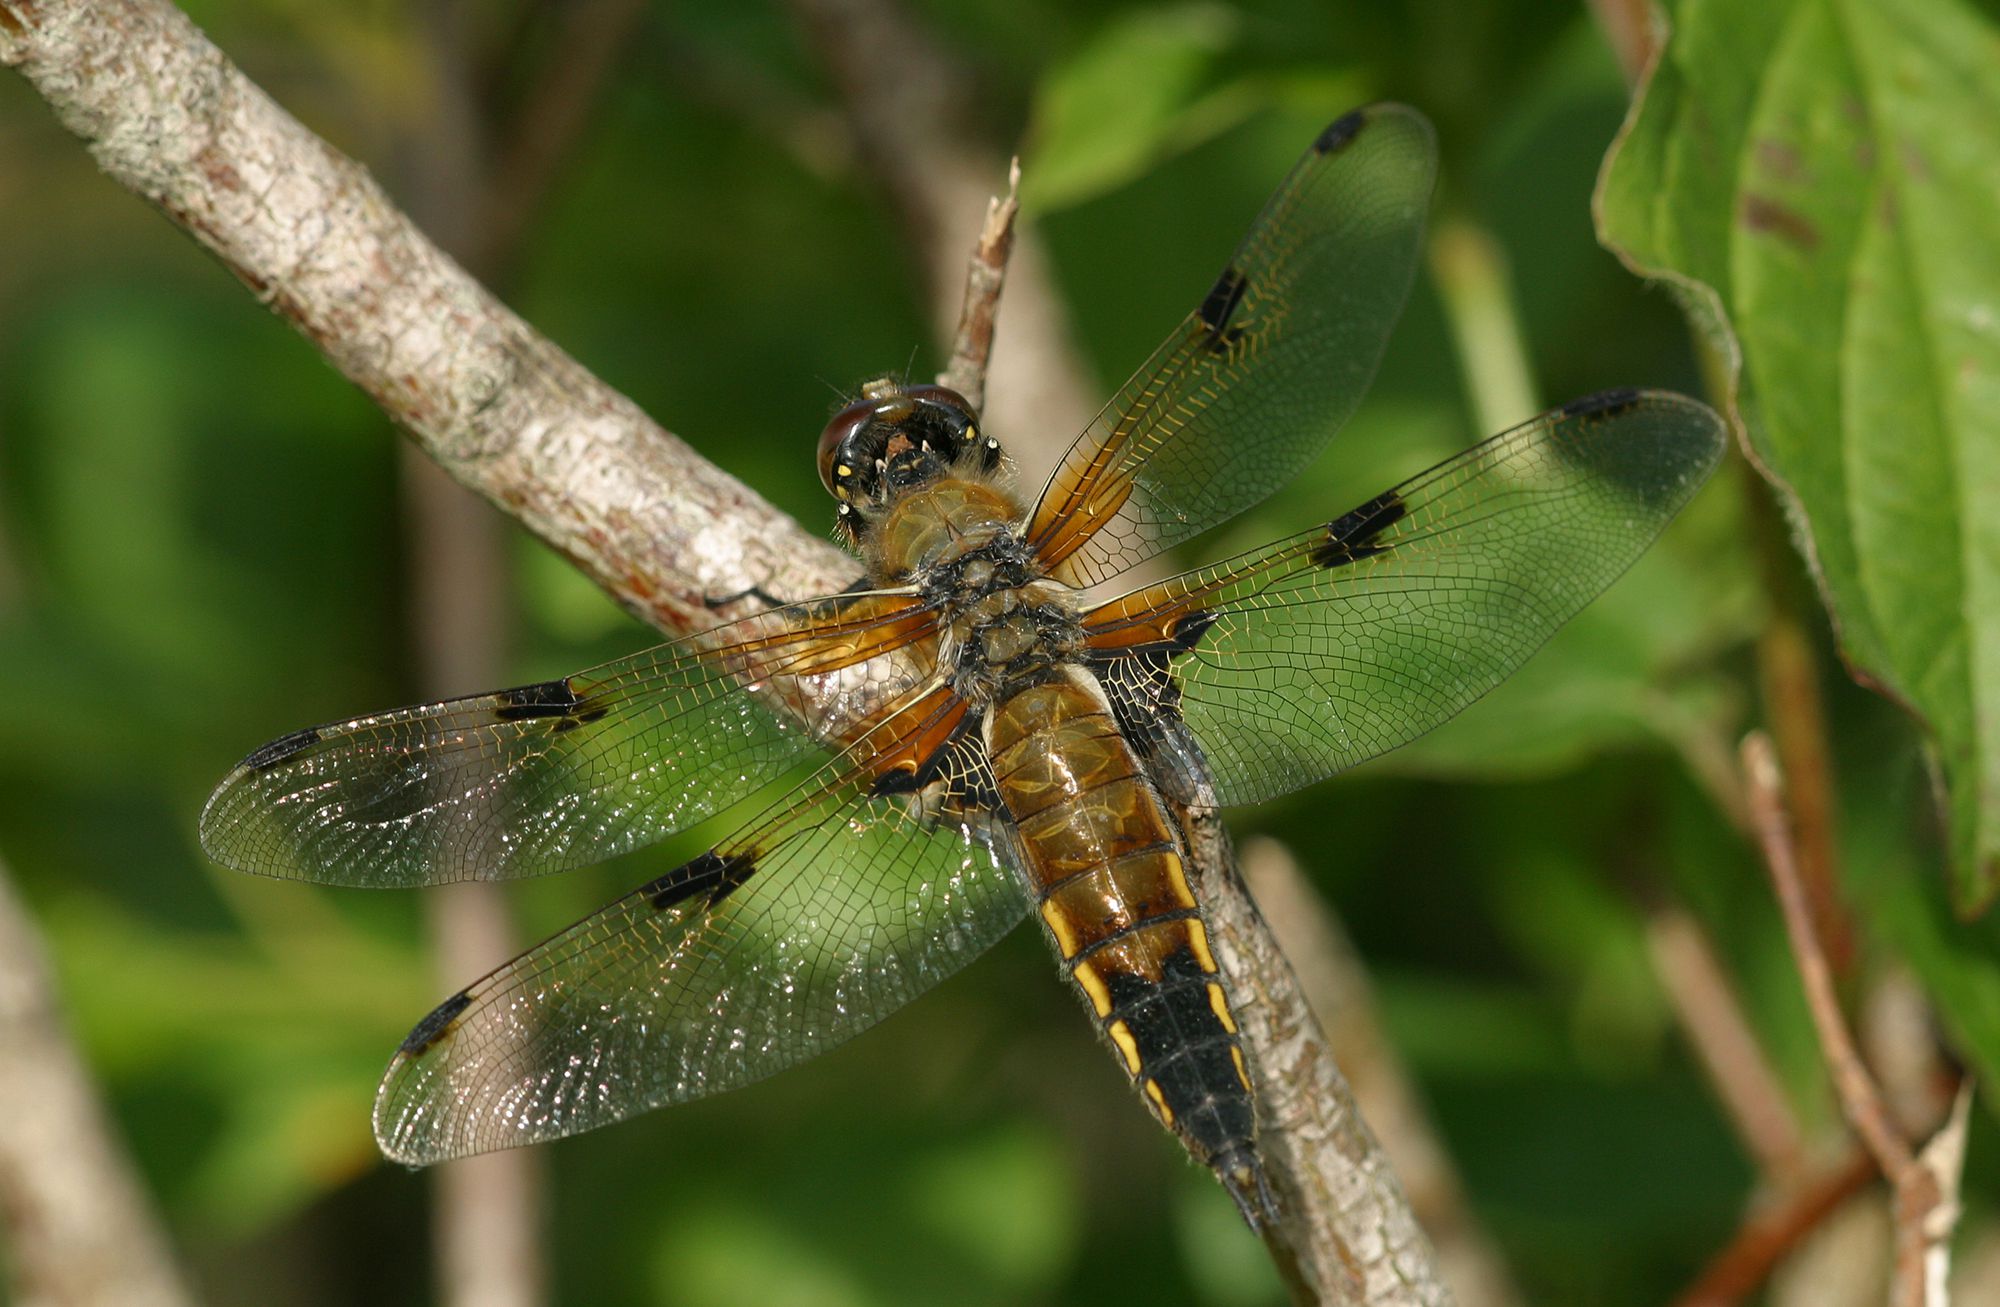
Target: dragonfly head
[894,439]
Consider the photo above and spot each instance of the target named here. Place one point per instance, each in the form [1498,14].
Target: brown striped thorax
[1006,734]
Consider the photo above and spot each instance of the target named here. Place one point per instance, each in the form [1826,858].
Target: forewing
[561,774]
[873,883]
[1251,385]
[1337,645]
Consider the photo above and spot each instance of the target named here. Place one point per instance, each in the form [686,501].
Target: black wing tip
[278,750]
[1605,403]
[435,1025]
[1703,421]
[1341,131]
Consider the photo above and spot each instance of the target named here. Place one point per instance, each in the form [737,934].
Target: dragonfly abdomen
[1105,863]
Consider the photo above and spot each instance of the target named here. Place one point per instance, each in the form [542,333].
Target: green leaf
[1823,176]
[1127,98]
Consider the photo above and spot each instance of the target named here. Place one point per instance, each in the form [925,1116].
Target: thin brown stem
[1860,1100]
[907,102]
[985,275]
[1925,1186]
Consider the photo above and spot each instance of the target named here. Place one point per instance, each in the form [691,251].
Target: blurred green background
[203,545]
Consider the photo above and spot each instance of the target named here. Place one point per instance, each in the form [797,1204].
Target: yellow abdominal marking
[1159,1102]
[1059,927]
[1093,985]
[1121,1035]
[1220,1003]
[1178,873]
[1242,1072]
[1198,941]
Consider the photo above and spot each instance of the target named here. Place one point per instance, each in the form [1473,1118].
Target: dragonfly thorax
[1006,626]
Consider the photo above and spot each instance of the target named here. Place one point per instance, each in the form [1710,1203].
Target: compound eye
[844,425]
[943,396]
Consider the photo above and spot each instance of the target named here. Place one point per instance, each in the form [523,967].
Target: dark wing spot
[1351,536]
[711,874]
[433,1027]
[280,749]
[1604,404]
[1340,132]
[547,699]
[1220,305]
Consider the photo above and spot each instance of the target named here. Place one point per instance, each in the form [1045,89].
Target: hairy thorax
[1005,628]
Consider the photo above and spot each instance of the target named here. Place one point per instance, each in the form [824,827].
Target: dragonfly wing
[1252,384]
[1327,649]
[881,875]
[547,777]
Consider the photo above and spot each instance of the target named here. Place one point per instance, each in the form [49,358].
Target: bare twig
[1347,1234]
[1706,1005]
[1926,1186]
[985,274]
[1859,1099]
[79,1230]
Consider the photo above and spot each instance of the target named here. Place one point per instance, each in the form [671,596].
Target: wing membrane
[1339,644]
[860,892]
[547,777]
[1252,384]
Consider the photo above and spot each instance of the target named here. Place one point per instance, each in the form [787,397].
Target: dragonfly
[989,726]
